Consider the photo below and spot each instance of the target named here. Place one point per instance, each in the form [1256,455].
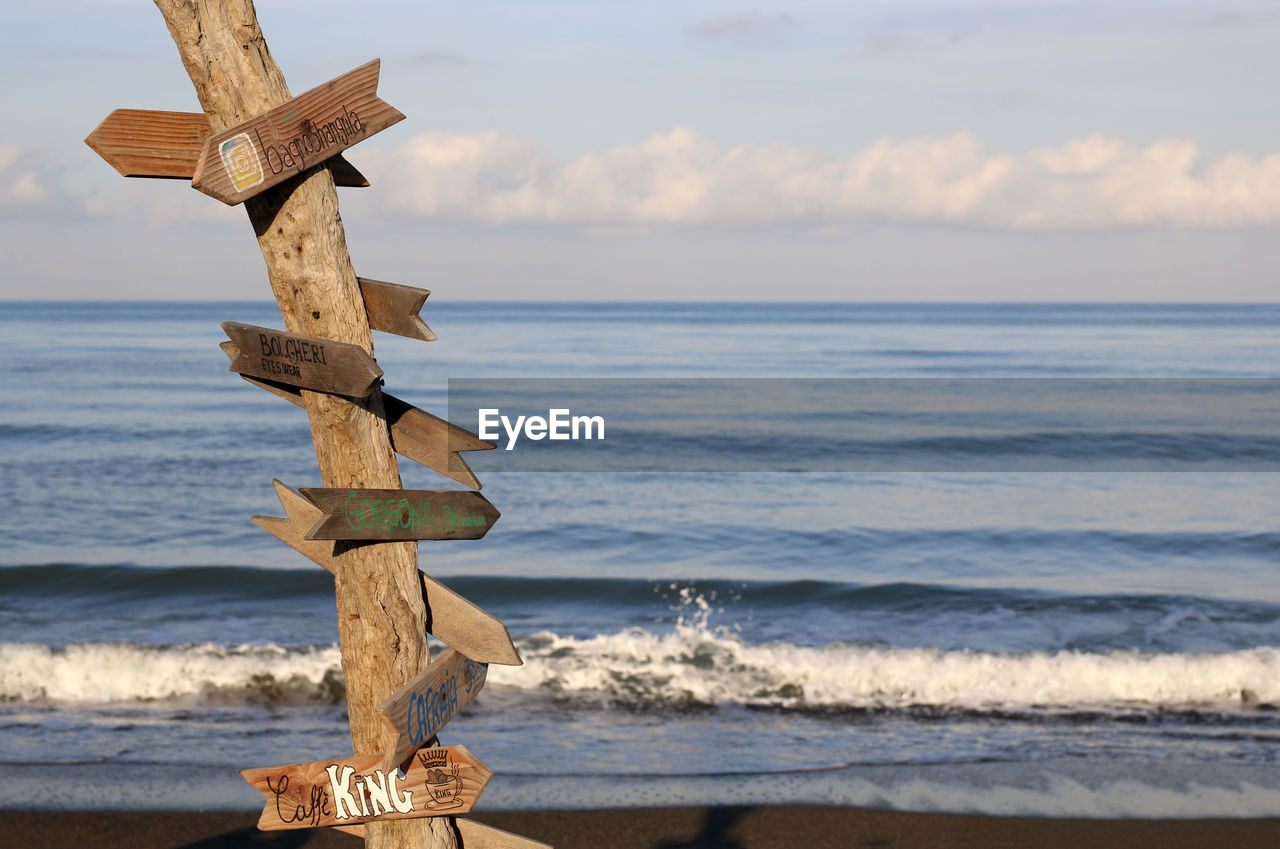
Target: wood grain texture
[432,441]
[380,610]
[473,835]
[394,308]
[153,143]
[308,362]
[381,515]
[346,791]
[247,159]
[419,709]
[415,434]
[451,618]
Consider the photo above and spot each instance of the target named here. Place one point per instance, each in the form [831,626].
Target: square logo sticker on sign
[241,161]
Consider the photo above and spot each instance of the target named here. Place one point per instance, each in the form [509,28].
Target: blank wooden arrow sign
[338,368]
[383,515]
[347,791]
[473,835]
[250,158]
[151,143]
[393,308]
[415,434]
[419,709]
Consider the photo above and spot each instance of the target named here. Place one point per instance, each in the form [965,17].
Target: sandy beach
[810,827]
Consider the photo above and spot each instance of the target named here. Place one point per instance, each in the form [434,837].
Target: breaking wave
[692,666]
[697,666]
[205,673]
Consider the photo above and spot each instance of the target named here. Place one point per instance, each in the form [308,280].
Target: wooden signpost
[302,361]
[401,788]
[150,143]
[380,515]
[347,791]
[251,157]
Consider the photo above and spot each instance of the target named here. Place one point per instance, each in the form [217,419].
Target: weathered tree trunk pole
[381,614]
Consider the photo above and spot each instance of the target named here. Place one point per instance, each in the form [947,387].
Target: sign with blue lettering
[419,709]
[384,515]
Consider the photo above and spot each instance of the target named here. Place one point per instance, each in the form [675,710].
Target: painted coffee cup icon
[445,788]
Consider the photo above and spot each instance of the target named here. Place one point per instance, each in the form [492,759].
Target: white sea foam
[692,664]
[696,664]
[113,672]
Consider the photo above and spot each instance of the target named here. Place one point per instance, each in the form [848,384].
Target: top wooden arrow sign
[151,143]
[250,158]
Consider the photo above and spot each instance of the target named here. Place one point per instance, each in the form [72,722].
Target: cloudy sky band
[989,145]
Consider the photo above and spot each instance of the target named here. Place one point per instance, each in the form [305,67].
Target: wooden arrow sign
[383,515]
[415,434]
[393,308]
[419,709]
[450,617]
[473,835]
[347,791]
[338,368]
[300,133]
[151,143]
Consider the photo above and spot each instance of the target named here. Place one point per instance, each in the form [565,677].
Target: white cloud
[750,28]
[24,179]
[678,177]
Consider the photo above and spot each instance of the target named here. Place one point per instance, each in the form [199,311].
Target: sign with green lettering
[457,622]
[346,791]
[382,515]
[302,132]
[338,368]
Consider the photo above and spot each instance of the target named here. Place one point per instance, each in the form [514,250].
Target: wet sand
[751,827]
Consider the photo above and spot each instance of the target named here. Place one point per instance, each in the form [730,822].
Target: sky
[809,151]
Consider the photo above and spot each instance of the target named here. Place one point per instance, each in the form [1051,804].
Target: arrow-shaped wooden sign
[471,630]
[338,368]
[300,133]
[383,515]
[419,709]
[346,791]
[415,433]
[473,835]
[152,143]
[393,308]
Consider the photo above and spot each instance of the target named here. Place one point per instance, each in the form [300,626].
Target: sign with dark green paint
[384,515]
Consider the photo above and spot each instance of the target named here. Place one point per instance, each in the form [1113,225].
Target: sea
[1071,612]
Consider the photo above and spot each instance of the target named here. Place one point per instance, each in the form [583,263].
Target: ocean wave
[92,673]
[692,667]
[698,666]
